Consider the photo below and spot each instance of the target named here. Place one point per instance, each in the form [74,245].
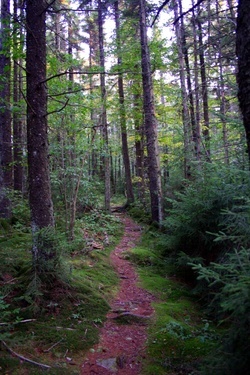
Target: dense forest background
[145,101]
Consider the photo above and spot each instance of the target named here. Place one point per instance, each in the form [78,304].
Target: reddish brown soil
[121,346]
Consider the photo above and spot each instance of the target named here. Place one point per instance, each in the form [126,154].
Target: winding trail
[121,346]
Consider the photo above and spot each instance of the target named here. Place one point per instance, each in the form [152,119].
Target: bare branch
[58,342]
[66,92]
[182,15]
[159,11]
[188,11]
[87,72]
[58,110]
[24,358]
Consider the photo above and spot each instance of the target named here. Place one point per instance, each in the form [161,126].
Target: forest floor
[123,336]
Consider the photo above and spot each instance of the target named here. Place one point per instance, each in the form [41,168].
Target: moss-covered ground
[67,325]
[181,335]
[59,331]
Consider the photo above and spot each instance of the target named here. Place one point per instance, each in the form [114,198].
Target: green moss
[72,312]
[179,337]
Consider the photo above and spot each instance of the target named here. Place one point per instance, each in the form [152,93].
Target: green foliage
[8,318]
[140,212]
[180,335]
[231,277]
[199,211]
[69,311]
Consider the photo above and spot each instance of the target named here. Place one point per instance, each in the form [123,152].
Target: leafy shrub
[199,211]
[8,318]
[232,300]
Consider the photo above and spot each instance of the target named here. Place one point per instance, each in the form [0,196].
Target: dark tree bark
[221,91]
[6,179]
[103,116]
[204,93]
[188,79]
[243,53]
[150,122]
[37,138]
[125,152]
[185,107]
[139,147]
[92,30]
[17,116]
[197,131]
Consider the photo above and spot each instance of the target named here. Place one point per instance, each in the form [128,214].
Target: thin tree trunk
[197,133]
[125,152]
[206,131]
[139,148]
[222,94]
[185,111]
[188,79]
[17,116]
[150,122]
[103,116]
[6,180]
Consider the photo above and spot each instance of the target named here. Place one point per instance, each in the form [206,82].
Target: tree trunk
[103,116]
[197,133]
[189,83]
[222,92]
[204,91]
[184,96]
[125,152]
[37,138]
[139,148]
[150,122]
[17,116]
[6,181]
[243,77]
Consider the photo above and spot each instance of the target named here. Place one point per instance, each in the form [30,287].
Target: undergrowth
[60,330]
[181,336]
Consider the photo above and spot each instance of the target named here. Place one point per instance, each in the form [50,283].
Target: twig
[67,329]
[58,342]
[58,110]
[21,321]
[24,358]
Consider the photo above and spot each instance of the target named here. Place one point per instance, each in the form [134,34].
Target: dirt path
[121,346]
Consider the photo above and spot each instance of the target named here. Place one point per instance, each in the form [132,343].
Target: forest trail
[121,346]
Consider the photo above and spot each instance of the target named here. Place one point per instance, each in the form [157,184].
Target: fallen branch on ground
[24,358]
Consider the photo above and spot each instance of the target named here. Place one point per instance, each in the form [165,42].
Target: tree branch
[84,72]
[24,358]
[182,15]
[159,11]
[58,110]
[189,10]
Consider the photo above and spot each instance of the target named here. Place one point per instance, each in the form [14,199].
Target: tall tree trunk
[6,180]
[206,130]
[122,112]
[17,116]
[197,135]
[150,122]
[243,77]
[37,137]
[221,91]
[189,83]
[103,116]
[139,148]
[93,53]
[184,96]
